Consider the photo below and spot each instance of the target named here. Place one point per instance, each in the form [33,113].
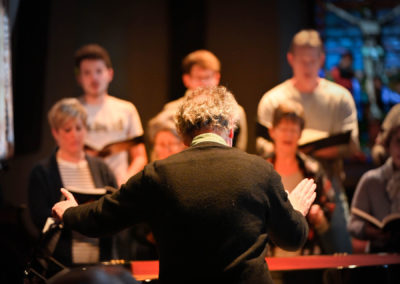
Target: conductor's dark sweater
[211,209]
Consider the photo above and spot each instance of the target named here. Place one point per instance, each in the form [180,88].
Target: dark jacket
[44,191]
[211,209]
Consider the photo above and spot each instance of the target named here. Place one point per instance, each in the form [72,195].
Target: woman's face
[394,148]
[70,137]
[286,136]
[166,144]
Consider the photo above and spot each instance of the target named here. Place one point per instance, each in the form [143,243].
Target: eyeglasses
[171,146]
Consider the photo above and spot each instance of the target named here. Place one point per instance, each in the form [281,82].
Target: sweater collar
[208,137]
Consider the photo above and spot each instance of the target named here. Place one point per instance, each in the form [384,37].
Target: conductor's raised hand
[303,196]
[60,207]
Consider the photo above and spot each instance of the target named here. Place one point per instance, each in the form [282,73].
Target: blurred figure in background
[378,194]
[69,167]
[343,73]
[294,166]
[211,201]
[201,68]
[163,137]
[328,109]
[379,152]
[110,119]
[164,141]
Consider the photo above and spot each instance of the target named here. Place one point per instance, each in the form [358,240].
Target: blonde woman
[68,166]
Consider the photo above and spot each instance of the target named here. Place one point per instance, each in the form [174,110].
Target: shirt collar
[208,137]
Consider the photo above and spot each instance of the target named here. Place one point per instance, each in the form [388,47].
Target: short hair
[289,110]
[204,58]
[93,52]
[164,121]
[391,121]
[212,108]
[307,38]
[388,135]
[65,109]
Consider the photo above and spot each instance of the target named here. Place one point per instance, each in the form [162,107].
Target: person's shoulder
[391,117]
[241,110]
[114,100]
[44,165]
[119,103]
[274,96]
[332,85]
[173,105]
[395,109]
[98,163]
[373,177]
[39,166]
[335,90]
[252,159]
[370,184]
[277,90]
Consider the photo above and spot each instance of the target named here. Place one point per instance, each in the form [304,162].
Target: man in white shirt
[110,119]
[328,108]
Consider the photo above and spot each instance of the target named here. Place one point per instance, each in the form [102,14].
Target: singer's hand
[60,207]
[317,218]
[303,196]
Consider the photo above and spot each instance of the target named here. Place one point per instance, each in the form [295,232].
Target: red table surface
[142,270]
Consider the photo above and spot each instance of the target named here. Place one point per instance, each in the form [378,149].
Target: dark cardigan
[44,191]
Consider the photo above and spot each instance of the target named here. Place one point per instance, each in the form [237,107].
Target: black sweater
[211,209]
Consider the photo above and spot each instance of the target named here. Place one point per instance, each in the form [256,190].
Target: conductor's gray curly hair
[211,108]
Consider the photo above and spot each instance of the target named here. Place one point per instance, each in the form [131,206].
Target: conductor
[211,207]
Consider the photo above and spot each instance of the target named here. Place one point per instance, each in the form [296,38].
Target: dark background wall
[147,40]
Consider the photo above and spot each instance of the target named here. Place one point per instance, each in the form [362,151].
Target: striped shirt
[77,175]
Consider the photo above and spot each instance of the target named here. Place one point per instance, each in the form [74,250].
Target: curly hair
[211,108]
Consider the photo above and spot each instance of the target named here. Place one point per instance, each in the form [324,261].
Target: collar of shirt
[208,137]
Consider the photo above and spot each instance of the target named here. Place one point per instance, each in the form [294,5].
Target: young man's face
[200,77]
[306,62]
[94,77]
